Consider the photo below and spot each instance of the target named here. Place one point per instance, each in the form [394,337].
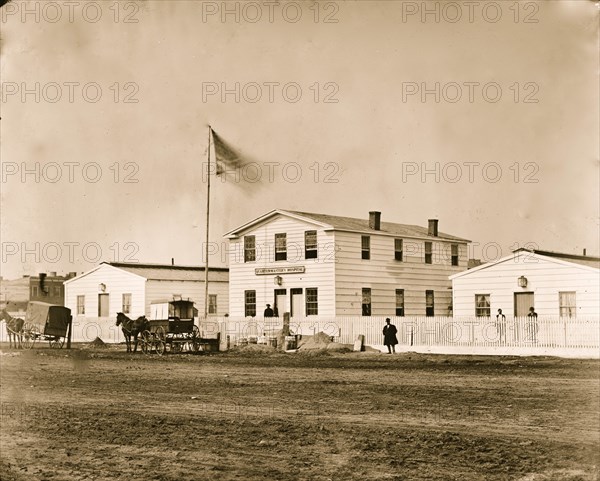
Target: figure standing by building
[268,311]
[389,336]
[532,325]
[501,326]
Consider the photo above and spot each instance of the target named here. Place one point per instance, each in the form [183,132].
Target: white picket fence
[568,337]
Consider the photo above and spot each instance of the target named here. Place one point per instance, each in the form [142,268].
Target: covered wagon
[46,322]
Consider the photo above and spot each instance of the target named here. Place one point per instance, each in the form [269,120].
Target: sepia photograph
[319,240]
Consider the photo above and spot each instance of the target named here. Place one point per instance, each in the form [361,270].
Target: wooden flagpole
[207,226]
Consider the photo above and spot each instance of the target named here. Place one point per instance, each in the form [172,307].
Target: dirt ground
[103,414]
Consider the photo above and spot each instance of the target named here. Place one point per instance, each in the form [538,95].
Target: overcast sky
[346,104]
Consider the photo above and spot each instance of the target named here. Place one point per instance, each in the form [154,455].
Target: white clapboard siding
[194,290]
[117,282]
[383,274]
[545,279]
[318,273]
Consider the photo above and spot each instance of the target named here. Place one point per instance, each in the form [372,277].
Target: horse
[14,328]
[132,328]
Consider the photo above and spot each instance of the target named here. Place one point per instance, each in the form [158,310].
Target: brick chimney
[375,220]
[433,227]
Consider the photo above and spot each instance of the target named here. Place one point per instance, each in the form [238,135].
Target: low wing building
[554,284]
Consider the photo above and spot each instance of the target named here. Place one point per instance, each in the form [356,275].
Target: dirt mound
[337,347]
[254,349]
[319,341]
[313,352]
[97,343]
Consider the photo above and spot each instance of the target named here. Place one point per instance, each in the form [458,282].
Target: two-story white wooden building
[554,284]
[316,264]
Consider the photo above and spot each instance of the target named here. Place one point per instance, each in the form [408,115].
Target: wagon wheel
[195,339]
[160,341]
[146,341]
[30,335]
[57,342]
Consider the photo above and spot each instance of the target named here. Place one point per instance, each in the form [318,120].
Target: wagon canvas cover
[51,320]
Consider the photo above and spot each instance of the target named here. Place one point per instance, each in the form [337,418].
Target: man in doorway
[389,336]
[268,311]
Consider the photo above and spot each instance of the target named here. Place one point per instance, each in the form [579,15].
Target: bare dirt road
[102,414]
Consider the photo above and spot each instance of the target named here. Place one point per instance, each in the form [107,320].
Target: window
[428,250]
[312,301]
[482,305]
[398,246]
[454,252]
[35,292]
[280,247]
[212,303]
[250,303]
[80,304]
[566,304]
[126,303]
[249,248]
[400,302]
[365,241]
[310,244]
[429,304]
[366,302]
[56,291]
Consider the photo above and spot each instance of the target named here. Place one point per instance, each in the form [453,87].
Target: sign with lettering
[261,271]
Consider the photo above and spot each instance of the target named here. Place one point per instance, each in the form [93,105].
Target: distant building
[130,288]
[48,287]
[473,263]
[323,265]
[554,284]
[14,294]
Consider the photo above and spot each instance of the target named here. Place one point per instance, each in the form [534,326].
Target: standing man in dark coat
[268,311]
[501,326]
[389,336]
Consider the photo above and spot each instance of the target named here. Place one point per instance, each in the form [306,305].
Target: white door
[281,304]
[297,305]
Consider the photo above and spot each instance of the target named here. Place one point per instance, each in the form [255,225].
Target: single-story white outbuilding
[554,284]
[96,296]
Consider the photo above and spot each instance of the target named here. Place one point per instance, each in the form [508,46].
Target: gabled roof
[167,272]
[590,261]
[348,224]
[162,272]
[531,254]
[87,273]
